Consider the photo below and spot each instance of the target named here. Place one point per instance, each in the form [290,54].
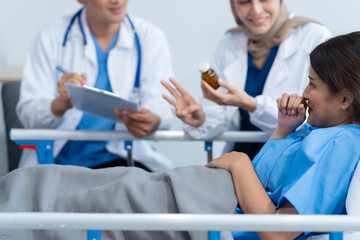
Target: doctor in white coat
[97,46]
[265,56]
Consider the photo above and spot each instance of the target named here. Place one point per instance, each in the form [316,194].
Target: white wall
[193,29]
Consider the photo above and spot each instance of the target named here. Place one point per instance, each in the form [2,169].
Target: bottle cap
[204,67]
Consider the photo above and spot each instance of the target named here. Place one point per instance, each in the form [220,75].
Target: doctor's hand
[291,114]
[63,102]
[139,124]
[187,109]
[234,96]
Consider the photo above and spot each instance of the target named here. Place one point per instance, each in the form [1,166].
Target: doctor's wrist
[59,106]
[250,104]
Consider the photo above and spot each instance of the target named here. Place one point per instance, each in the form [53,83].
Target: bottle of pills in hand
[209,75]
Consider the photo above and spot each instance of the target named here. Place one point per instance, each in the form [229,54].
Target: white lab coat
[289,73]
[39,83]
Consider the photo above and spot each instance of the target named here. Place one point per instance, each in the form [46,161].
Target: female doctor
[103,47]
[266,55]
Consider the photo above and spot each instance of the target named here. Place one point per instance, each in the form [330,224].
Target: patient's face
[324,107]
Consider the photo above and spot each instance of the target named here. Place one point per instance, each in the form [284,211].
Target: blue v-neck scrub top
[92,153]
[254,86]
[311,168]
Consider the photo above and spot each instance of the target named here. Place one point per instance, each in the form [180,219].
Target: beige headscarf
[260,45]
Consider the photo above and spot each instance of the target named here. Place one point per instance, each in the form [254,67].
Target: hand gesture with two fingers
[187,109]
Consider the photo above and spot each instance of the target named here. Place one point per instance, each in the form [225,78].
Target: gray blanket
[53,188]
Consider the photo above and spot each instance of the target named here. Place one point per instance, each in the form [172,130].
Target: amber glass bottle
[208,75]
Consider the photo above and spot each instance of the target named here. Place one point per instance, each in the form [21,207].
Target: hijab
[259,45]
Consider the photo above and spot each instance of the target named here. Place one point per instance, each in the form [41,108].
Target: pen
[63,71]
[60,69]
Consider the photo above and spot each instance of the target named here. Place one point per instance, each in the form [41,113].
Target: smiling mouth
[116,9]
[258,21]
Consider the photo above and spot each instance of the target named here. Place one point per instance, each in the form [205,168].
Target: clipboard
[99,102]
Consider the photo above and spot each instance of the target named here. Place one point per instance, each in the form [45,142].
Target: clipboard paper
[99,102]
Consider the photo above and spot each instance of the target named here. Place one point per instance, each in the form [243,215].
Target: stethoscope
[135,95]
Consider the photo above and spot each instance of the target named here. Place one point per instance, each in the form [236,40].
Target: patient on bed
[307,171]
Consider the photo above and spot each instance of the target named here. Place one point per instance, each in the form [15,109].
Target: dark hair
[337,63]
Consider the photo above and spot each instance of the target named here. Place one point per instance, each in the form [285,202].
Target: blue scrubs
[255,81]
[311,168]
[91,153]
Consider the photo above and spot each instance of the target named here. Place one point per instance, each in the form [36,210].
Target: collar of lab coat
[125,40]
[239,67]
[280,69]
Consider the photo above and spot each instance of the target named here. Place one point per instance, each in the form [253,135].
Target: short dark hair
[337,63]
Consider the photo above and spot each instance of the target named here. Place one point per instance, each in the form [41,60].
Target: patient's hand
[292,113]
[229,161]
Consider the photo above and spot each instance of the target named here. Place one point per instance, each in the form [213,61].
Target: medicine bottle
[208,75]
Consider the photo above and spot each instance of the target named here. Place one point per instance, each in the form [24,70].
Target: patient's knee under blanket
[54,188]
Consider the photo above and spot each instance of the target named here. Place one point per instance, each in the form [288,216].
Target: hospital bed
[41,140]
[184,222]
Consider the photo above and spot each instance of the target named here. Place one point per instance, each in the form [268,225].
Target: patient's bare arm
[251,195]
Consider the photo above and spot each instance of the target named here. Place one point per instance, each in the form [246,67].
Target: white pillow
[351,236]
[353,197]
[353,202]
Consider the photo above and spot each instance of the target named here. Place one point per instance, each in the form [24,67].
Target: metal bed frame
[213,223]
[42,140]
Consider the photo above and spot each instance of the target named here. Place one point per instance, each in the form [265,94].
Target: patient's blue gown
[311,168]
